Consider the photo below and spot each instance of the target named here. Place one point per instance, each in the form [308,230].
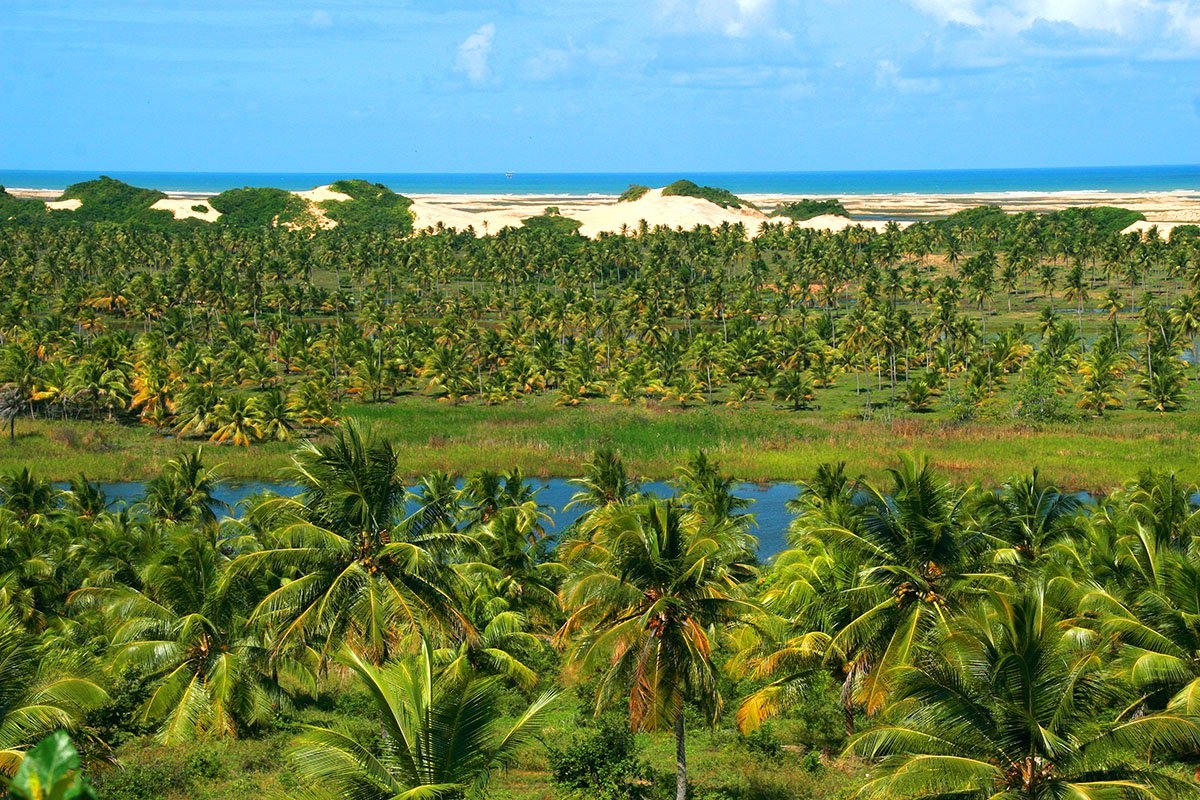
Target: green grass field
[757,442]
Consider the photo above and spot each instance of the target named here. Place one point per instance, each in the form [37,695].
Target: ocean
[1110,179]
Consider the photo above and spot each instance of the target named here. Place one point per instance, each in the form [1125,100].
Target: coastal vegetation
[983,339]
[258,207]
[552,222]
[722,197]
[20,210]
[372,206]
[800,210]
[109,200]
[636,191]
[920,636]
[410,624]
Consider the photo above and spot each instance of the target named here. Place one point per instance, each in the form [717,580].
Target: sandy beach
[490,213]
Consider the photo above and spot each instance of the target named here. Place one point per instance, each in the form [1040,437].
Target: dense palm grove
[965,641]
[240,334]
[1014,642]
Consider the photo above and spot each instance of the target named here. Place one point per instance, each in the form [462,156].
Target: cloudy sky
[597,85]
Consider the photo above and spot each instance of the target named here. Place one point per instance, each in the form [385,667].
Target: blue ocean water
[1112,179]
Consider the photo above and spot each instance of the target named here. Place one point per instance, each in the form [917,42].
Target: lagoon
[768,502]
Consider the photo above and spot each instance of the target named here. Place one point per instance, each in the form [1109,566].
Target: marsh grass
[757,442]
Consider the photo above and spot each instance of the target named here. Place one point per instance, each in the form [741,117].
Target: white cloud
[474,52]
[888,76]
[320,19]
[737,19]
[1136,19]
[961,11]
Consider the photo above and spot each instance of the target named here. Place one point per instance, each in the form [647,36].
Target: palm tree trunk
[680,758]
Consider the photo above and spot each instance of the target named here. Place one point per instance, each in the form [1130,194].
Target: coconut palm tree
[918,553]
[440,741]
[187,630]
[1003,705]
[649,586]
[345,567]
[43,687]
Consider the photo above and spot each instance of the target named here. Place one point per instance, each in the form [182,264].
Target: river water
[768,502]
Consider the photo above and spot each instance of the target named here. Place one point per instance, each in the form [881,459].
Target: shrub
[1036,397]
[801,210]
[603,762]
[635,192]
[258,207]
[371,205]
[553,224]
[109,200]
[763,741]
[722,197]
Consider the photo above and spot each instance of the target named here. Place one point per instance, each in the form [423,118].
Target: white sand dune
[431,213]
[184,208]
[64,205]
[836,222]
[1164,228]
[323,193]
[659,210]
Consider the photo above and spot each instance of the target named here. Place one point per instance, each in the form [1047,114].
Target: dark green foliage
[763,741]
[635,192]
[258,207]
[553,223]
[109,200]
[200,208]
[374,206]
[801,210]
[978,218]
[1038,398]
[21,210]
[603,762]
[1185,232]
[1101,220]
[722,197]
[1105,220]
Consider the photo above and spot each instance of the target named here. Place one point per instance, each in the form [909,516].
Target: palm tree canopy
[440,740]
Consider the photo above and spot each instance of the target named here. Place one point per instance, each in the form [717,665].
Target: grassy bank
[724,766]
[757,442]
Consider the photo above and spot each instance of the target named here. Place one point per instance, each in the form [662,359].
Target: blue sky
[597,85]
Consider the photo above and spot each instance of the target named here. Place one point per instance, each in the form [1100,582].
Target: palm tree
[605,482]
[649,585]
[183,491]
[1002,705]
[1102,369]
[1027,517]
[187,630]
[43,687]
[917,550]
[237,421]
[439,741]
[345,567]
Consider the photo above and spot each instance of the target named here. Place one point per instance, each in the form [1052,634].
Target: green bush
[21,210]
[602,762]
[1037,397]
[722,197]
[763,741]
[372,205]
[144,781]
[109,200]
[635,192]
[258,207]
[553,224]
[801,210]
